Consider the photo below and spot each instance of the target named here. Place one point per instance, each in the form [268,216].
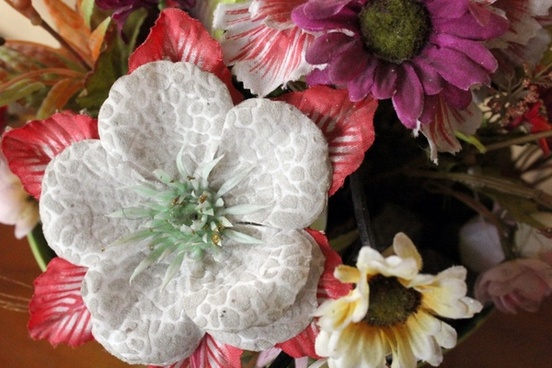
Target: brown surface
[522,341]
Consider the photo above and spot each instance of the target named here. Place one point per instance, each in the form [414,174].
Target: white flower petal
[140,323]
[80,188]
[287,156]
[253,296]
[162,106]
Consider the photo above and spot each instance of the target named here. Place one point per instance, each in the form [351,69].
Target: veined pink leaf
[30,148]
[265,49]
[303,344]
[178,37]
[440,132]
[348,126]
[328,288]
[210,354]
[57,310]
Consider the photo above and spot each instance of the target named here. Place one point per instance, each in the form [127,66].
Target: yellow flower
[393,311]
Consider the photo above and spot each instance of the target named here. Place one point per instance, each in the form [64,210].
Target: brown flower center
[390,302]
[395,30]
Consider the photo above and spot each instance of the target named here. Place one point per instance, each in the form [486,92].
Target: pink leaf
[57,310]
[303,344]
[178,37]
[30,148]
[328,288]
[348,126]
[210,354]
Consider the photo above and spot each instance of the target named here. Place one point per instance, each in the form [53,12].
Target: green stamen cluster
[395,30]
[186,217]
[390,302]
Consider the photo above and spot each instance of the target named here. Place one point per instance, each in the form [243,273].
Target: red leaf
[178,37]
[303,344]
[30,148]
[328,288]
[210,354]
[57,310]
[348,126]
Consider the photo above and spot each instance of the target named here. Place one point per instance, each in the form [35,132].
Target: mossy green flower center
[390,302]
[395,30]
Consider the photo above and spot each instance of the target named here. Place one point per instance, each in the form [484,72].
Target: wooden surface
[504,341]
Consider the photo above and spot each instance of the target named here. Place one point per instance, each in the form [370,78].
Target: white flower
[262,168]
[17,207]
[392,311]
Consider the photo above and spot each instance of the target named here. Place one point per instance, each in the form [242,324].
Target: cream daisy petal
[177,104]
[81,187]
[405,248]
[139,322]
[261,284]
[286,156]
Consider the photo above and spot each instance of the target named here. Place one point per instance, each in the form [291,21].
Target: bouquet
[341,183]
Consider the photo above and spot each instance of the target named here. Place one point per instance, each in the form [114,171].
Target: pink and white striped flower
[262,44]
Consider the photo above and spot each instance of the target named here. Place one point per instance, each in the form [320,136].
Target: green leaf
[110,66]
[19,90]
[521,209]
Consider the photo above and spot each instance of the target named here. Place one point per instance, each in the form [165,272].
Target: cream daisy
[393,312]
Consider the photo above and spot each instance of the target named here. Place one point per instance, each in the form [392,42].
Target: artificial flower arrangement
[242,183]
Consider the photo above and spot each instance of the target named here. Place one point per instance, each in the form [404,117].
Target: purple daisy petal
[409,99]
[384,80]
[447,9]
[457,97]
[360,87]
[431,80]
[468,27]
[346,67]
[325,46]
[319,77]
[346,20]
[463,77]
[320,9]
[472,49]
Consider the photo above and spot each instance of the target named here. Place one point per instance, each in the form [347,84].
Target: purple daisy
[406,50]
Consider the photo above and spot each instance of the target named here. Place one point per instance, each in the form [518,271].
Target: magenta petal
[448,9]
[30,148]
[457,97]
[360,87]
[319,9]
[302,345]
[431,80]
[325,46]
[348,126]
[346,66]
[346,20]
[469,27]
[456,68]
[385,79]
[473,49]
[57,310]
[319,77]
[409,99]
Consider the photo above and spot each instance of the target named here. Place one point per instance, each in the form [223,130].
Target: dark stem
[362,215]
[282,361]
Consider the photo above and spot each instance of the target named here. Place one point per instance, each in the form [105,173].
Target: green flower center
[395,30]
[390,302]
[185,217]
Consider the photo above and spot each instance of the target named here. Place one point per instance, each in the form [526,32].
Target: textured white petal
[80,188]
[140,323]
[253,296]
[287,157]
[162,106]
